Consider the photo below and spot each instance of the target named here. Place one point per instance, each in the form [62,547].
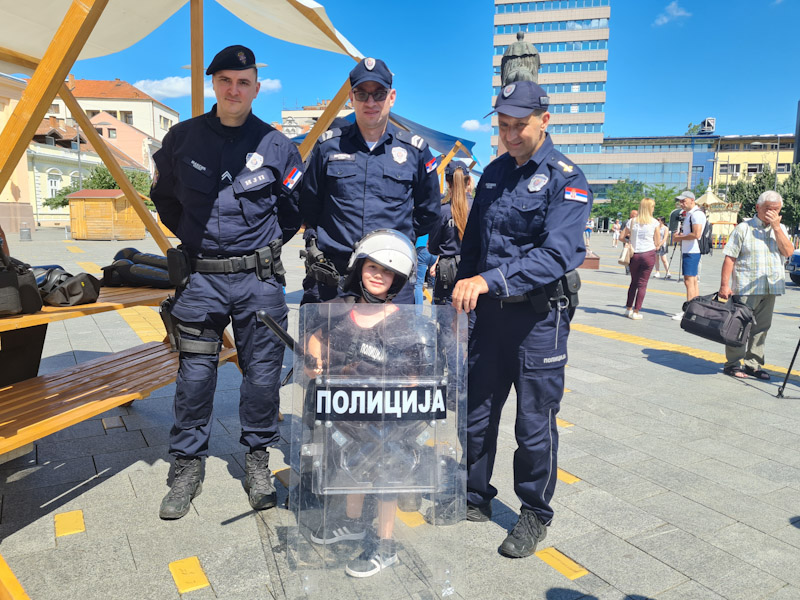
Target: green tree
[700,188]
[665,199]
[100,179]
[790,191]
[623,196]
[692,129]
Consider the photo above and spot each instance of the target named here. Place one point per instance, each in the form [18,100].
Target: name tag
[342,156]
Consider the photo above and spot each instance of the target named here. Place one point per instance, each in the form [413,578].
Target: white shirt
[642,236]
[693,217]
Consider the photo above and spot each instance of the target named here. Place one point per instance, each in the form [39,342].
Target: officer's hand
[467,291]
[725,291]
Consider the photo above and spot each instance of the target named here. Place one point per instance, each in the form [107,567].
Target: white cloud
[178,87]
[671,12]
[475,125]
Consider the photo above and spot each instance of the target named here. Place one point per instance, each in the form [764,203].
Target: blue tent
[437,140]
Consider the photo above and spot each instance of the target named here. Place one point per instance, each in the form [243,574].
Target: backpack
[704,242]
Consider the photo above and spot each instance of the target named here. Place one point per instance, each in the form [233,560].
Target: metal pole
[777,161]
[80,172]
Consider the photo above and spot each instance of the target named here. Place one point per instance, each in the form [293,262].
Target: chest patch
[490,186]
[537,183]
[400,155]
[253,181]
[342,156]
[254,161]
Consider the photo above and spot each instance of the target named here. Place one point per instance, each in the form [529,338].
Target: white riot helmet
[390,249]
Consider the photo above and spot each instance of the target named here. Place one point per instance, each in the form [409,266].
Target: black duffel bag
[72,290]
[728,322]
[18,290]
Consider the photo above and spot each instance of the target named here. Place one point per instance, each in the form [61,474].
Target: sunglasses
[378,96]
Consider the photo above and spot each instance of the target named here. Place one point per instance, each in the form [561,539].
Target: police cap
[371,69]
[521,98]
[232,58]
[452,166]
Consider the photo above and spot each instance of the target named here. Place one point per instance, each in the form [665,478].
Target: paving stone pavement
[688,481]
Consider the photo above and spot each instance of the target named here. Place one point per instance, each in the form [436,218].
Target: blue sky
[670,63]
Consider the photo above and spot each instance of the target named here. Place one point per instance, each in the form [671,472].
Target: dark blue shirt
[227,191]
[525,229]
[350,190]
[444,240]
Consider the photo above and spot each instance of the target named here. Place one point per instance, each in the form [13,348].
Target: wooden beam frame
[325,119]
[196,19]
[116,171]
[52,70]
[446,160]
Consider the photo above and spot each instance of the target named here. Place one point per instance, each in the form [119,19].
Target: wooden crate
[103,215]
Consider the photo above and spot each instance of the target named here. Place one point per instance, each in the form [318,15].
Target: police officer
[523,240]
[367,176]
[227,184]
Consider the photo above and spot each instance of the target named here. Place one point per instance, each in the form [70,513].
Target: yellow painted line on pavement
[563,423]
[69,522]
[411,519]
[145,322]
[714,357]
[566,477]
[75,250]
[188,575]
[649,289]
[90,267]
[282,475]
[10,587]
[562,563]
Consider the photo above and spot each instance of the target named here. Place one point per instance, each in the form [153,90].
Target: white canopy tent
[45,40]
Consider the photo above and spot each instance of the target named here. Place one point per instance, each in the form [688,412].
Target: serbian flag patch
[430,165]
[293,177]
[576,194]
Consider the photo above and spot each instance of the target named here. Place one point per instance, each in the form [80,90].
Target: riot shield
[378,441]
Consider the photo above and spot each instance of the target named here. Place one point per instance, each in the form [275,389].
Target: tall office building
[572,39]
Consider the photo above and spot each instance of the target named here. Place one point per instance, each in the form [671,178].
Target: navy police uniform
[350,190]
[524,233]
[228,192]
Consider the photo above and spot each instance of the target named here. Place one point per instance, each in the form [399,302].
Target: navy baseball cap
[371,69]
[232,58]
[521,98]
[450,168]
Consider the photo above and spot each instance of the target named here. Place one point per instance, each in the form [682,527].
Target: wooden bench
[43,405]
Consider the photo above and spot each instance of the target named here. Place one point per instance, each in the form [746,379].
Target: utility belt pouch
[178,266]
[540,300]
[318,266]
[571,283]
[165,310]
[278,269]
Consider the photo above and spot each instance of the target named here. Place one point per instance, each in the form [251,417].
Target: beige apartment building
[571,37]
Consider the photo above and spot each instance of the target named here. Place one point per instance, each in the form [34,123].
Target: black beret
[232,58]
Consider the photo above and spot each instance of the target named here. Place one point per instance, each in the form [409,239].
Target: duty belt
[559,294]
[233,264]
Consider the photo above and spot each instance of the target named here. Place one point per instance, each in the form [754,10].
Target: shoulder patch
[331,133]
[412,139]
[563,165]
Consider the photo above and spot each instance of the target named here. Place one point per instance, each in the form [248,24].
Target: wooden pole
[116,171]
[198,100]
[325,119]
[48,77]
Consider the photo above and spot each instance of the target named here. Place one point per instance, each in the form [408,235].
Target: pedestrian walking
[645,237]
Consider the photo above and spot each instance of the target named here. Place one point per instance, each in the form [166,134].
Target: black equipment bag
[134,268]
[18,290]
[78,289]
[728,322]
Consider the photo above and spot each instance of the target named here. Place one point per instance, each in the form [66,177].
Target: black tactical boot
[258,483]
[185,486]
[527,533]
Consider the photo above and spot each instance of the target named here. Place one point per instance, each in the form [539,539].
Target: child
[367,336]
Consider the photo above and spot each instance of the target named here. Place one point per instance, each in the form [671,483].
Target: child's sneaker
[378,555]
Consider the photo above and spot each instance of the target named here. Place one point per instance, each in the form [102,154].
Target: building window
[784,167]
[92,113]
[55,108]
[49,140]
[753,168]
[164,122]
[729,146]
[126,116]
[576,25]
[99,130]
[727,169]
[697,169]
[112,133]
[53,185]
[787,146]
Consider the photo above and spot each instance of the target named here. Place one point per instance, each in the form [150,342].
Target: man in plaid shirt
[753,255]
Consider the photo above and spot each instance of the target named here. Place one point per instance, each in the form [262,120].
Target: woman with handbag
[644,236]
